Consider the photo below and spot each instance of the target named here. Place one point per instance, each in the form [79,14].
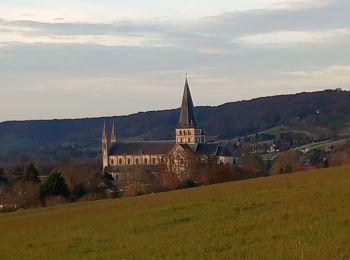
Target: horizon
[65,60]
[165,109]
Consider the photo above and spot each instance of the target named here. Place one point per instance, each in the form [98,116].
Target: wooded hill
[323,114]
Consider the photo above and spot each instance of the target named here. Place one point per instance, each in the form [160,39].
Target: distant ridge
[220,122]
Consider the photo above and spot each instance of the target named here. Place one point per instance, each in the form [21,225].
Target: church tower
[104,147]
[113,134]
[188,131]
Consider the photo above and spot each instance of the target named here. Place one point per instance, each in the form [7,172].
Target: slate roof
[207,149]
[223,151]
[212,149]
[164,147]
[128,148]
[188,116]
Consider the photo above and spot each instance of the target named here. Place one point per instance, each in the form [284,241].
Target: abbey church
[172,155]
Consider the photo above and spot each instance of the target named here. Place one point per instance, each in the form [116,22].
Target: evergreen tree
[54,185]
[3,179]
[31,174]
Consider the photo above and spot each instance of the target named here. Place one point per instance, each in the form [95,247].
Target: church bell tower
[188,131]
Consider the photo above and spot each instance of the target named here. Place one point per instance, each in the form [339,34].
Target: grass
[324,144]
[278,130]
[298,216]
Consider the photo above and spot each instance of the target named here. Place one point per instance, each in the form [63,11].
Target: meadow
[297,216]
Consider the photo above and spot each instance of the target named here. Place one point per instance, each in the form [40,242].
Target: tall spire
[187,114]
[104,146]
[113,134]
[104,131]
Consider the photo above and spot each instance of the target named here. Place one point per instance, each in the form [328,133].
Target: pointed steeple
[187,114]
[104,146]
[113,134]
[104,131]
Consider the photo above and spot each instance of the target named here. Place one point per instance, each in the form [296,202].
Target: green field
[278,130]
[324,144]
[298,216]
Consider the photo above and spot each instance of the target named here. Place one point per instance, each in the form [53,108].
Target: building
[172,155]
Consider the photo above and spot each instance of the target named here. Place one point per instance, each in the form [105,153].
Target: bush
[54,186]
[78,191]
[287,162]
[187,184]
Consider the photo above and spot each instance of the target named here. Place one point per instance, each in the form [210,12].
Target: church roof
[207,149]
[224,151]
[187,113]
[212,149]
[130,148]
[164,147]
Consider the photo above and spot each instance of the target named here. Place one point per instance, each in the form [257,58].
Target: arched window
[153,160]
[120,161]
[137,161]
[129,161]
[180,132]
[145,161]
[185,133]
[189,140]
[189,132]
[112,162]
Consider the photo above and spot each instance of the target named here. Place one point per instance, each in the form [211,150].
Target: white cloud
[300,4]
[288,38]
[104,40]
[331,71]
[111,10]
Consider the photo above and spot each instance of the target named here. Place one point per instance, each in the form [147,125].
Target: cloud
[287,38]
[302,25]
[300,4]
[331,15]
[232,56]
[331,71]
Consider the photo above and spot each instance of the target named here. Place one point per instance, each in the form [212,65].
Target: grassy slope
[324,144]
[278,130]
[304,215]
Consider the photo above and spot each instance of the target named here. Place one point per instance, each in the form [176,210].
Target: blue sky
[86,58]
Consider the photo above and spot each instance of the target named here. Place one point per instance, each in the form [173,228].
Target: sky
[92,58]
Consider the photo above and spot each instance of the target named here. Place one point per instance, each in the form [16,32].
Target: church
[173,155]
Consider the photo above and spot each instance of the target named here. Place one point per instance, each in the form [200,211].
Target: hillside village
[127,167]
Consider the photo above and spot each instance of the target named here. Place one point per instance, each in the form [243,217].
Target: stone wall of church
[122,160]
